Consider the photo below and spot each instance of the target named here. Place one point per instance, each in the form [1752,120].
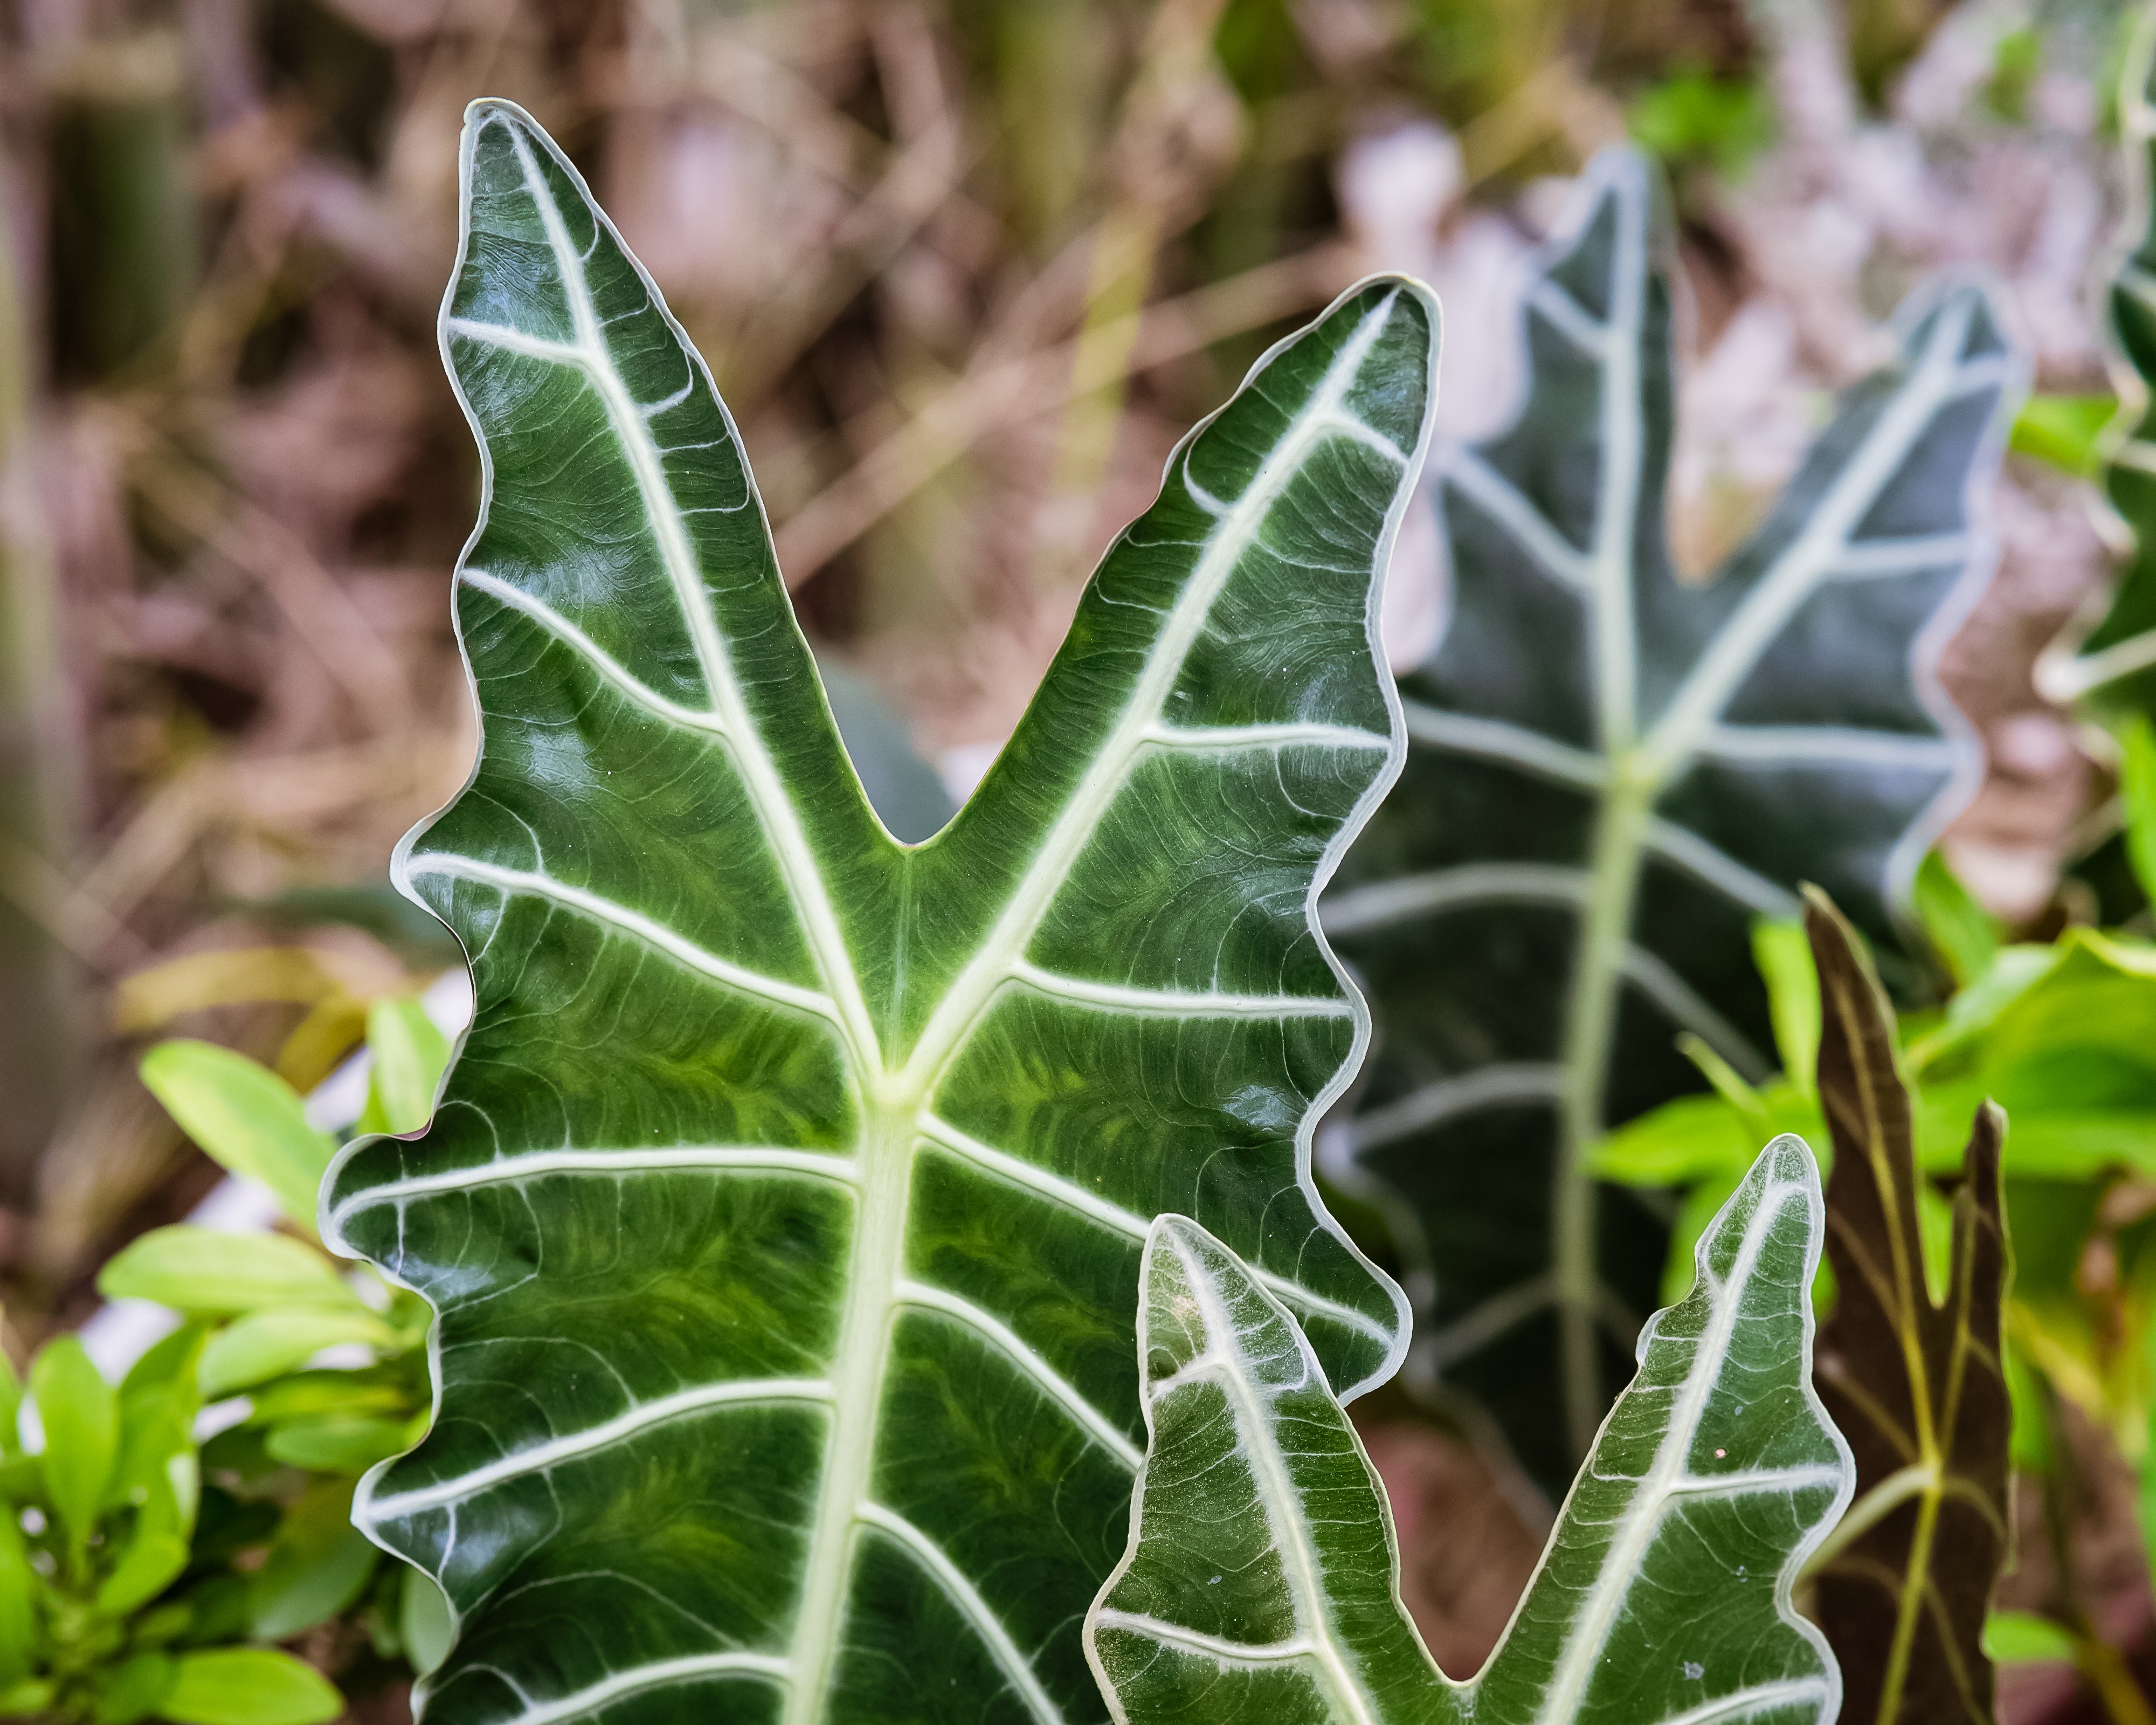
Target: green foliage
[1262,1582]
[128,1554]
[110,1610]
[1692,117]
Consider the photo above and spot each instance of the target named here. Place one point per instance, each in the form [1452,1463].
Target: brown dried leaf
[1905,1581]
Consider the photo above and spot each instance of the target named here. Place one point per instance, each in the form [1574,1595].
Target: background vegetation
[964,269]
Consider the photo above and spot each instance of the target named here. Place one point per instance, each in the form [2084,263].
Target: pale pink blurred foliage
[1827,232]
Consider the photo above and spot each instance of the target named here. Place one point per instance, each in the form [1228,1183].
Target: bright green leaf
[2063,430]
[248,1685]
[1965,933]
[2137,788]
[205,1269]
[782,1212]
[1262,1583]
[1612,772]
[11,1408]
[409,1055]
[244,1117]
[26,1700]
[1785,958]
[338,1443]
[80,1414]
[2023,1638]
[20,1586]
[269,1342]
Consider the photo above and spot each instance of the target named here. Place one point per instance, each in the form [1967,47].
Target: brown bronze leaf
[1904,1582]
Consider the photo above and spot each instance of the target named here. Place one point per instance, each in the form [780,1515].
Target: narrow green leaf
[80,1414]
[1965,933]
[409,1056]
[248,1686]
[20,1586]
[268,1343]
[782,1211]
[205,1270]
[1917,1384]
[2137,789]
[1612,773]
[11,1408]
[245,1117]
[1262,1582]
[1784,959]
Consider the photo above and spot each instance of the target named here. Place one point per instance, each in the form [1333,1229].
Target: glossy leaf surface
[1262,1583]
[2114,665]
[1916,1386]
[1612,773]
[783,1209]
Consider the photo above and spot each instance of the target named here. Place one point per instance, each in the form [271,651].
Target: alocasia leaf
[1612,773]
[1262,1583]
[1917,1386]
[784,1208]
[2114,665]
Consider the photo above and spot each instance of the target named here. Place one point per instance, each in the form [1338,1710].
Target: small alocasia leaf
[1612,772]
[1917,1386]
[1261,1586]
[2113,666]
[781,1212]
[244,1117]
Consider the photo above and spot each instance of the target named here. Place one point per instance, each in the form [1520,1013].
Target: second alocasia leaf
[783,1210]
[1613,773]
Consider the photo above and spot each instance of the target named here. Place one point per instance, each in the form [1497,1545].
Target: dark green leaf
[1918,1388]
[783,1209]
[317,1566]
[1612,773]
